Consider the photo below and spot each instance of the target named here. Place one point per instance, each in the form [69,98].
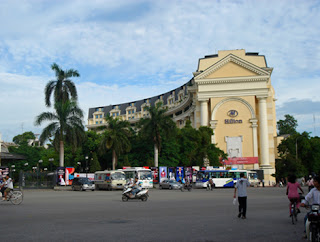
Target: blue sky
[127,50]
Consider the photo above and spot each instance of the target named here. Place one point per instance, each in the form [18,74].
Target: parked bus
[251,176]
[109,180]
[221,178]
[144,175]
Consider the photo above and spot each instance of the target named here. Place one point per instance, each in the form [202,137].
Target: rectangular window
[100,115]
[97,116]
[129,112]
[113,114]
[101,122]
[117,114]
[132,111]
[96,122]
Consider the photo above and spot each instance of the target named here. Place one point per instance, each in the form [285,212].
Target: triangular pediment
[231,66]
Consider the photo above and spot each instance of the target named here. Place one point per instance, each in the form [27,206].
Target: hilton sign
[232,114]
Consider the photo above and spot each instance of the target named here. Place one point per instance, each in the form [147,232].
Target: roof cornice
[235,59]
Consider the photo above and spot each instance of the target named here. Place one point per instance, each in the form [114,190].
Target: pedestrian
[310,183]
[241,186]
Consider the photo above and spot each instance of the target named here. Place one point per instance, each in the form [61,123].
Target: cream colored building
[230,92]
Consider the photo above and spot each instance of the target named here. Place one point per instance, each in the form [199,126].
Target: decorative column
[263,128]
[254,127]
[213,125]
[194,107]
[204,113]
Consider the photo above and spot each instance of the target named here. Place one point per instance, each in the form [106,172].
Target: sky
[127,50]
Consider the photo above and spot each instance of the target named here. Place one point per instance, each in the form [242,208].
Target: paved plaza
[168,215]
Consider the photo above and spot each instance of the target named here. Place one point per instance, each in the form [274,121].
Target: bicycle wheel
[16,197]
[293,210]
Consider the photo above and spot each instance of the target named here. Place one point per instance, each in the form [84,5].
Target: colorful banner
[179,173]
[155,174]
[195,169]
[171,173]
[163,173]
[240,161]
[60,176]
[69,175]
[188,172]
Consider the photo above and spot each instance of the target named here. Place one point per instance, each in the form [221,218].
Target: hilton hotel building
[230,92]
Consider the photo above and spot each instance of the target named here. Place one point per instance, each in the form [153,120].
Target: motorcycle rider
[313,197]
[135,187]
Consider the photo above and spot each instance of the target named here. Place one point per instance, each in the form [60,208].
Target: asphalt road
[199,215]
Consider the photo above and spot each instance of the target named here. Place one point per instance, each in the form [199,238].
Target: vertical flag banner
[171,173]
[163,173]
[179,173]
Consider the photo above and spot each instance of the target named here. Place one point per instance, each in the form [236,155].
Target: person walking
[241,186]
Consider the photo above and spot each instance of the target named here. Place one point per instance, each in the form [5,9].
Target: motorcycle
[186,187]
[313,223]
[142,194]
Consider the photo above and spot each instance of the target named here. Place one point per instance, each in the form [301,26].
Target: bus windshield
[253,176]
[145,175]
[118,176]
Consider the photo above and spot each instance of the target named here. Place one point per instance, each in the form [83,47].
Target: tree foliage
[66,126]
[115,138]
[288,125]
[63,89]
[23,138]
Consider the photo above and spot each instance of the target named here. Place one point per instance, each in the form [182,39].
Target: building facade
[231,92]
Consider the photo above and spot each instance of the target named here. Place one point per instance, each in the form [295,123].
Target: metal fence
[37,180]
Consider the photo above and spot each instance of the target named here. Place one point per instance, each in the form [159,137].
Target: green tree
[115,137]
[62,88]
[66,126]
[288,125]
[23,138]
[155,125]
[94,163]
[189,138]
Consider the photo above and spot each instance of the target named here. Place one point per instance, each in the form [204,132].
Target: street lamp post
[12,168]
[87,166]
[50,161]
[39,162]
[79,166]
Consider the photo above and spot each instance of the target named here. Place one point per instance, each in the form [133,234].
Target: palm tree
[66,126]
[116,137]
[155,125]
[63,88]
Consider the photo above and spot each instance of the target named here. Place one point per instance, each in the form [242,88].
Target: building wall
[230,80]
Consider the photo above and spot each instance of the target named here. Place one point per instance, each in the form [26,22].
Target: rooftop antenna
[314,125]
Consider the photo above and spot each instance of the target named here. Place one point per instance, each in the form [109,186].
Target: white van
[109,180]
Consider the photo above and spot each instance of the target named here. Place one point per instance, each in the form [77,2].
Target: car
[82,184]
[170,184]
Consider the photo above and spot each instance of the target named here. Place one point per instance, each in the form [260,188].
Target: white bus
[109,180]
[251,176]
[221,178]
[144,175]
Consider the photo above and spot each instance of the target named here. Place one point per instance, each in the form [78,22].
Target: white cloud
[129,50]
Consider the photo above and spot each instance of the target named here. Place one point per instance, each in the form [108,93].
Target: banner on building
[240,161]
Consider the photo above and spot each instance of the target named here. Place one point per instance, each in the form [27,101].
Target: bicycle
[294,210]
[15,197]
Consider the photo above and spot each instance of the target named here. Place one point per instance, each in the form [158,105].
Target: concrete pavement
[199,215]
